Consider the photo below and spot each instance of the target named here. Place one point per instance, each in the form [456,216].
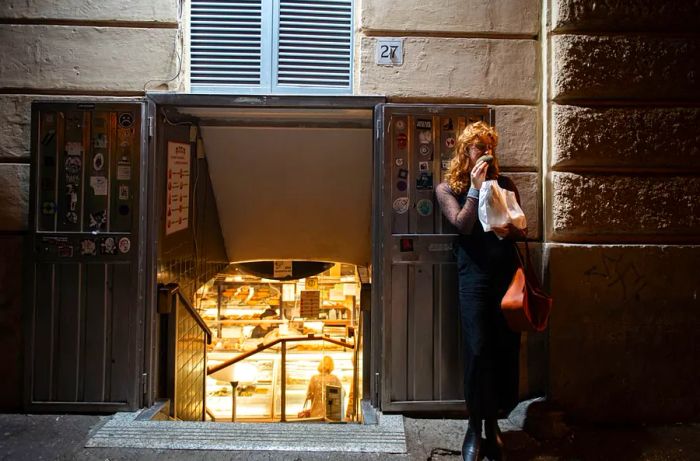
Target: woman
[317,386]
[485,266]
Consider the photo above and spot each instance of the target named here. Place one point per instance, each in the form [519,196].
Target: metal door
[421,362]
[84,285]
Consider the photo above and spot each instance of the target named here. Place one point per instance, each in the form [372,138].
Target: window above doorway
[271,46]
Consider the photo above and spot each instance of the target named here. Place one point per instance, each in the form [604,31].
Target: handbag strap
[526,264]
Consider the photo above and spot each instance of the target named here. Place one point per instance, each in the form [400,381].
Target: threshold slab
[124,431]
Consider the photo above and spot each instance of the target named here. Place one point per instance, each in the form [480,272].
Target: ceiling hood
[292,193]
[299,269]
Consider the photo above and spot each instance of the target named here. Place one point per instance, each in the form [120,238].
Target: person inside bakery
[316,389]
[485,265]
[263,328]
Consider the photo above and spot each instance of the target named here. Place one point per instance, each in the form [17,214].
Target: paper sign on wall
[178,196]
[312,283]
[281,269]
[310,304]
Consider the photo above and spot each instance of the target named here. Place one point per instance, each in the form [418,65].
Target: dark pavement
[62,437]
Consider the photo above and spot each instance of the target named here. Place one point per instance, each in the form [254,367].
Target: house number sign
[389,52]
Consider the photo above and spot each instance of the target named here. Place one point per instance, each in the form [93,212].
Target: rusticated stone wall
[623,214]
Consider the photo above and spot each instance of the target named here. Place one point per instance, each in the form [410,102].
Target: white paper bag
[498,207]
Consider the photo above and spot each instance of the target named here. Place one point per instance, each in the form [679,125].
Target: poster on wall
[178,197]
[310,303]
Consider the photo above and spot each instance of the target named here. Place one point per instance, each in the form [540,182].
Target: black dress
[491,350]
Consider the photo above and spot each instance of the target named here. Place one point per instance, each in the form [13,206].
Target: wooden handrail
[262,346]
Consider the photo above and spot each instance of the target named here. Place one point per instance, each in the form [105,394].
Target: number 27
[388,51]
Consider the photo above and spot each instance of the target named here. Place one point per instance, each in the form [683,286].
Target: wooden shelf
[212,322]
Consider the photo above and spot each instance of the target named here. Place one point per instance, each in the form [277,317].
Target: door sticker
[124,169]
[123,192]
[399,162]
[72,201]
[425,150]
[74,149]
[97,220]
[424,207]
[48,208]
[401,205]
[88,247]
[100,140]
[73,165]
[424,166]
[400,125]
[425,137]
[48,137]
[401,185]
[126,119]
[424,181]
[98,162]
[99,185]
[124,245]
[72,217]
[403,173]
[108,246]
[401,141]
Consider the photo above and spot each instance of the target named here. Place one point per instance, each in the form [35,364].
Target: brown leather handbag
[525,305]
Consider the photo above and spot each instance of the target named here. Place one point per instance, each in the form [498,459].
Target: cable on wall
[179,40]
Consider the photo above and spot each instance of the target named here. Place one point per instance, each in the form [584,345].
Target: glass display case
[282,346]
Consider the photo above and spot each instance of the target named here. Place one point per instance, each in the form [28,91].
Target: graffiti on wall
[619,273]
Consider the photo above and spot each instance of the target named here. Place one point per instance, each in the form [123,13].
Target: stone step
[123,430]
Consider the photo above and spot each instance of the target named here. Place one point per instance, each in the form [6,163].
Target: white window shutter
[314,43]
[226,42]
[271,46]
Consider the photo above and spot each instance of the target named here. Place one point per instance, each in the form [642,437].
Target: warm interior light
[255,310]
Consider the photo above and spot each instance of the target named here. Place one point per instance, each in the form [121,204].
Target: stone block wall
[72,50]
[622,193]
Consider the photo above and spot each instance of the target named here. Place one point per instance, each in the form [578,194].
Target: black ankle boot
[471,446]
[493,445]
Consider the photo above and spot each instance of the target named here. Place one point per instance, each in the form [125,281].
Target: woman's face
[476,149]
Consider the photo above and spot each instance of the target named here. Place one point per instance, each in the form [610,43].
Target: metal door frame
[157,101]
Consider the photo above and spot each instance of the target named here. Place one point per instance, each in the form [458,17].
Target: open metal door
[85,282]
[421,363]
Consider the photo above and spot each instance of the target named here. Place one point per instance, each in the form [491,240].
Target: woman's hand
[479,174]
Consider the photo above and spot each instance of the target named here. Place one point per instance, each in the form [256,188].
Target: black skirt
[491,350]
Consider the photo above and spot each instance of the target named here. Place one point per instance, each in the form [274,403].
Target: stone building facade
[597,105]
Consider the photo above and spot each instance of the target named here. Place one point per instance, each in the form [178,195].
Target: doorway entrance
[286,193]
